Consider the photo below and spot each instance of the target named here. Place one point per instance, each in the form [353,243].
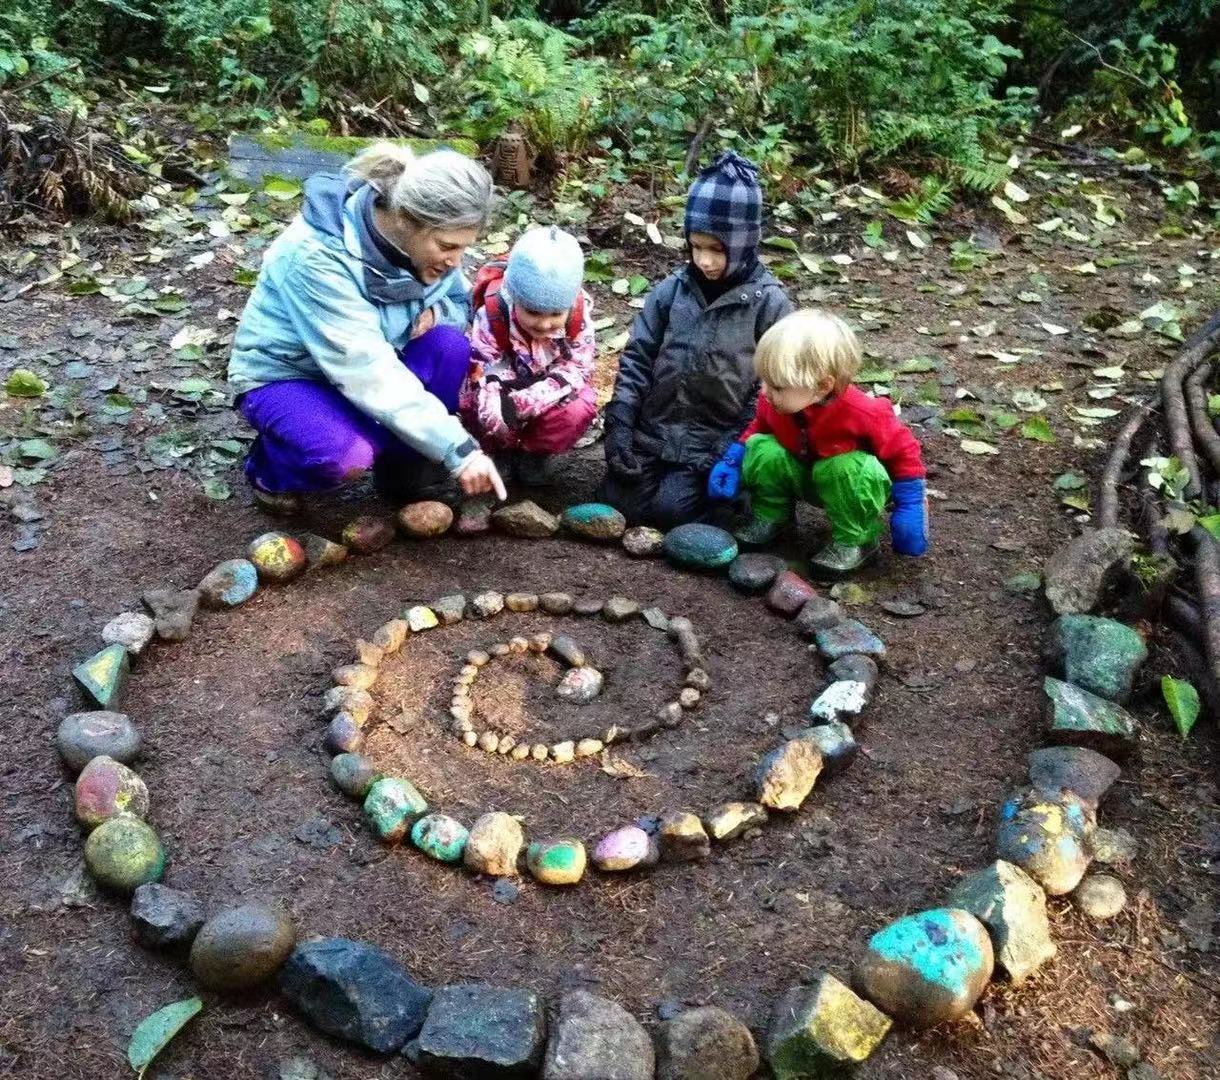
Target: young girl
[529,390]
[352,346]
[817,437]
[686,384]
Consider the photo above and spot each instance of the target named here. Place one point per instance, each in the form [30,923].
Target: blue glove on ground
[724,481]
[909,520]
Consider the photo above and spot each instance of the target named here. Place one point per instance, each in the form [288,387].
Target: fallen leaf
[975,446]
[155,1032]
[1183,701]
[24,383]
[1054,329]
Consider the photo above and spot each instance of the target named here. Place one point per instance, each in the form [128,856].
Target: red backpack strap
[486,294]
[576,318]
[497,319]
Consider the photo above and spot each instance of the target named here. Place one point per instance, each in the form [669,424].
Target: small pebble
[507,743]
[619,609]
[357,676]
[587,605]
[643,542]
[656,618]
[1100,896]
[368,654]
[470,738]
[699,680]
[540,751]
[520,752]
[518,645]
[500,648]
[689,698]
[477,658]
[539,643]
[670,715]
[450,609]
[563,752]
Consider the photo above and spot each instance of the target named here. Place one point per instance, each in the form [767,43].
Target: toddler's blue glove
[909,520]
[724,481]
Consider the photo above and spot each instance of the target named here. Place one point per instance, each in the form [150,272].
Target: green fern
[984,176]
[933,198]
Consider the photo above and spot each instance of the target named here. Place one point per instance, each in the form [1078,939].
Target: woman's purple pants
[311,438]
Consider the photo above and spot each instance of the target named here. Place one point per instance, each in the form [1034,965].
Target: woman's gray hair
[442,189]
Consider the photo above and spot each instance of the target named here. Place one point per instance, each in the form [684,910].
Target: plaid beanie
[545,269]
[725,201]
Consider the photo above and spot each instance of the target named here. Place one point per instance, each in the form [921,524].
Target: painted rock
[619,609]
[928,968]
[1012,906]
[855,668]
[354,991]
[786,775]
[485,604]
[494,845]
[1078,718]
[556,603]
[474,517]
[701,547]
[442,837]
[164,918]
[818,613]
[842,701]
[706,1042]
[526,520]
[320,552]
[343,735]
[580,685]
[822,1030]
[729,820]
[277,557]
[132,629]
[124,853]
[104,675]
[425,519]
[85,735]
[367,534]
[241,947]
[587,606]
[643,542]
[850,636]
[1047,837]
[353,774]
[835,742]
[488,1032]
[419,618]
[1077,574]
[228,584]
[682,838]
[173,611]
[626,848]
[389,637]
[594,1037]
[789,593]
[392,806]
[594,521]
[357,676]
[450,609]
[358,704]
[105,789]
[1085,773]
[1101,656]
[1100,897]
[556,862]
[754,571]
[567,650]
[521,602]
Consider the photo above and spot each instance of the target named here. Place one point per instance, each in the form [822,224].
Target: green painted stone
[104,675]
[353,774]
[442,837]
[392,807]
[1078,718]
[594,521]
[229,584]
[556,862]
[124,853]
[822,1030]
[1099,655]
[700,547]
[106,789]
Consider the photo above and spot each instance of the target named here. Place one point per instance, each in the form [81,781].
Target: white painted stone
[841,700]
[133,630]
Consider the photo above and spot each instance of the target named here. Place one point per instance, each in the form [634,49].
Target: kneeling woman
[352,348]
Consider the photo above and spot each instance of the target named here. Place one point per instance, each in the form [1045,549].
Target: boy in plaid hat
[686,385]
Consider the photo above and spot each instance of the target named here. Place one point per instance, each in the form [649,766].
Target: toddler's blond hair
[805,348]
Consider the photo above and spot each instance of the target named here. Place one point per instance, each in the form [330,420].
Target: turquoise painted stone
[1078,718]
[104,675]
[107,788]
[822,1030]
[392,807]
[700,547]
[1047,837]
[928,968]
[594,521]
[442,837]
[231,583]
[277,557]
[1098,655]
[848,637]
[124,853]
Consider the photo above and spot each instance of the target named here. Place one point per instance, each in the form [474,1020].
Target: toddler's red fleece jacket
[851,420]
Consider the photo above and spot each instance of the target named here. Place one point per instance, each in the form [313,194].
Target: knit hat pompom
[545,269]
[725,201]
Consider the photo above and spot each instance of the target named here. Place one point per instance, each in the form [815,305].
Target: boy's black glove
[620,456]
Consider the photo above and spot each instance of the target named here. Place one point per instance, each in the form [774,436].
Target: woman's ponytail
[383,165]
[441,189]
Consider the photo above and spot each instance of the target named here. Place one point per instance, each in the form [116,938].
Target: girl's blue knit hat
[726,202]
[545,270]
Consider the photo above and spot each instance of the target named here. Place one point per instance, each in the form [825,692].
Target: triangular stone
[104,675]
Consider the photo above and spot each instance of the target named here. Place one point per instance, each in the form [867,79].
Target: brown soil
[239,781]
